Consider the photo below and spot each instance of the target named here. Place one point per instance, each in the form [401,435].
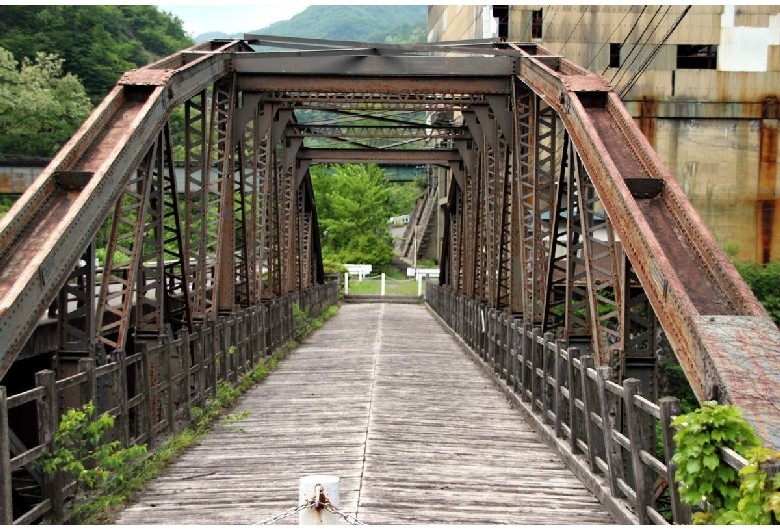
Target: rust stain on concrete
[767,176]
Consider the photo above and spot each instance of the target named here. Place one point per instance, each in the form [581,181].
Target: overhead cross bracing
[558,209]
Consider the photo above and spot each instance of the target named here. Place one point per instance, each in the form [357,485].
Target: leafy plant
[764,280]
[703,474]
[98,468]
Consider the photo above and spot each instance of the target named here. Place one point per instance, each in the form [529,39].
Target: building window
[614,55]
[697,56]
[537,17]
[501,14]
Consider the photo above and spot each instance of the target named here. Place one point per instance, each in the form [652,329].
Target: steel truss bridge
[559,212]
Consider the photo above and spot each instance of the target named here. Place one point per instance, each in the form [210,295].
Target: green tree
[353,207]
[764,280]
[40,108]
[98,43]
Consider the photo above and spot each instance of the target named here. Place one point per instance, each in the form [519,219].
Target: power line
[574,29]
[644,66]
[627,35]
[555,12]
[627,67]
[609,38]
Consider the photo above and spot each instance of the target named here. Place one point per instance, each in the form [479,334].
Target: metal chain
[318,501]
[351,519]
[287,513]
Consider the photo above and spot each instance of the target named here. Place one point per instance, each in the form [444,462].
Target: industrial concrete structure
[702,85]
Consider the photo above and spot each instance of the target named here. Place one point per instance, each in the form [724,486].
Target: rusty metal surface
[682,269]
[521,216]
[46,231]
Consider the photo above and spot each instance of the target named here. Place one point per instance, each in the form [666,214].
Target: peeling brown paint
[766,202]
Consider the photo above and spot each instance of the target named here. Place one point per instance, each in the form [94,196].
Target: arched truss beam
[512,98]
[719,331]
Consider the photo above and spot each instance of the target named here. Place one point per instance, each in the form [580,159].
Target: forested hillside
[97,43]
[372,23]
[57,61]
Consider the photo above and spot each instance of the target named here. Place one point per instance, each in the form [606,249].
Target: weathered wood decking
[384,398]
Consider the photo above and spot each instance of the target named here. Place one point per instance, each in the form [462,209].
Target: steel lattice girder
[719,331]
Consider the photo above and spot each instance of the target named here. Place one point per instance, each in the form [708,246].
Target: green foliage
[353,206]
[759,496]
[333,267]
[97,467]
[764,280]
[98,42]
[40,108]
[368,248]
[402,198]
[702,473]
[6,202]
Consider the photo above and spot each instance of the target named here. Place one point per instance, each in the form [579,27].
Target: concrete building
[701,83]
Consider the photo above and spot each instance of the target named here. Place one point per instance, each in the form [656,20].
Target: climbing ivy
[744,497]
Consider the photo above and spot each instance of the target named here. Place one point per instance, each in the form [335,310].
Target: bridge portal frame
[512,193]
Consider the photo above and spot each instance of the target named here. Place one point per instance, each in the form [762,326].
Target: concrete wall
[715,129]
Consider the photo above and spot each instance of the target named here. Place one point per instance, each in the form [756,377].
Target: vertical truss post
[177,291]
[601,270]
[76,308]
[222,110]
[150,283]
[196,200]
[558,244]
[522,194]
[124,255]
[274,232]
[540,216]
[638,327]
[578,317]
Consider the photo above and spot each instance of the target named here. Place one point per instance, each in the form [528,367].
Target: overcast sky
[233,18]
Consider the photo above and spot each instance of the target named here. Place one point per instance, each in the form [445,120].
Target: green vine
[98,468]
[744,497]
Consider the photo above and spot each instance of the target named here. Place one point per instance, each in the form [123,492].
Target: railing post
[6,490]
[123,425]
[146,385]
[546,395]
[200,368]
[186,382]
[575,425]
[670,407]
[631,388]
[213,358]
[346,283]
[609,417]
[382,285]
[47,428]
[529,339]
[557,394]
[589,397]
[535,390]
[168,363]
[89,387]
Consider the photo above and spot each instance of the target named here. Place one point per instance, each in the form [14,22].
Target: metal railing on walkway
[603,431]
[150,393]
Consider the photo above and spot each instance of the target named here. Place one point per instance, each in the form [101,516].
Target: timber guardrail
[605,432]
[150,393]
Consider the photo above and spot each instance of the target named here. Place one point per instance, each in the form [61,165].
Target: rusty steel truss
[558,210]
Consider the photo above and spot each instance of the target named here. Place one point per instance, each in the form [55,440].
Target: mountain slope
[372,23]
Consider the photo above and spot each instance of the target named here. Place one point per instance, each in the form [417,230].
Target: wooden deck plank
[382,397]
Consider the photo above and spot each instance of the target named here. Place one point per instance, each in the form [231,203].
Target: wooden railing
[150,393]
[603,431]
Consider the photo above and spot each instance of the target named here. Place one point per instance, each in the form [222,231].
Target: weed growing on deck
[101,508]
